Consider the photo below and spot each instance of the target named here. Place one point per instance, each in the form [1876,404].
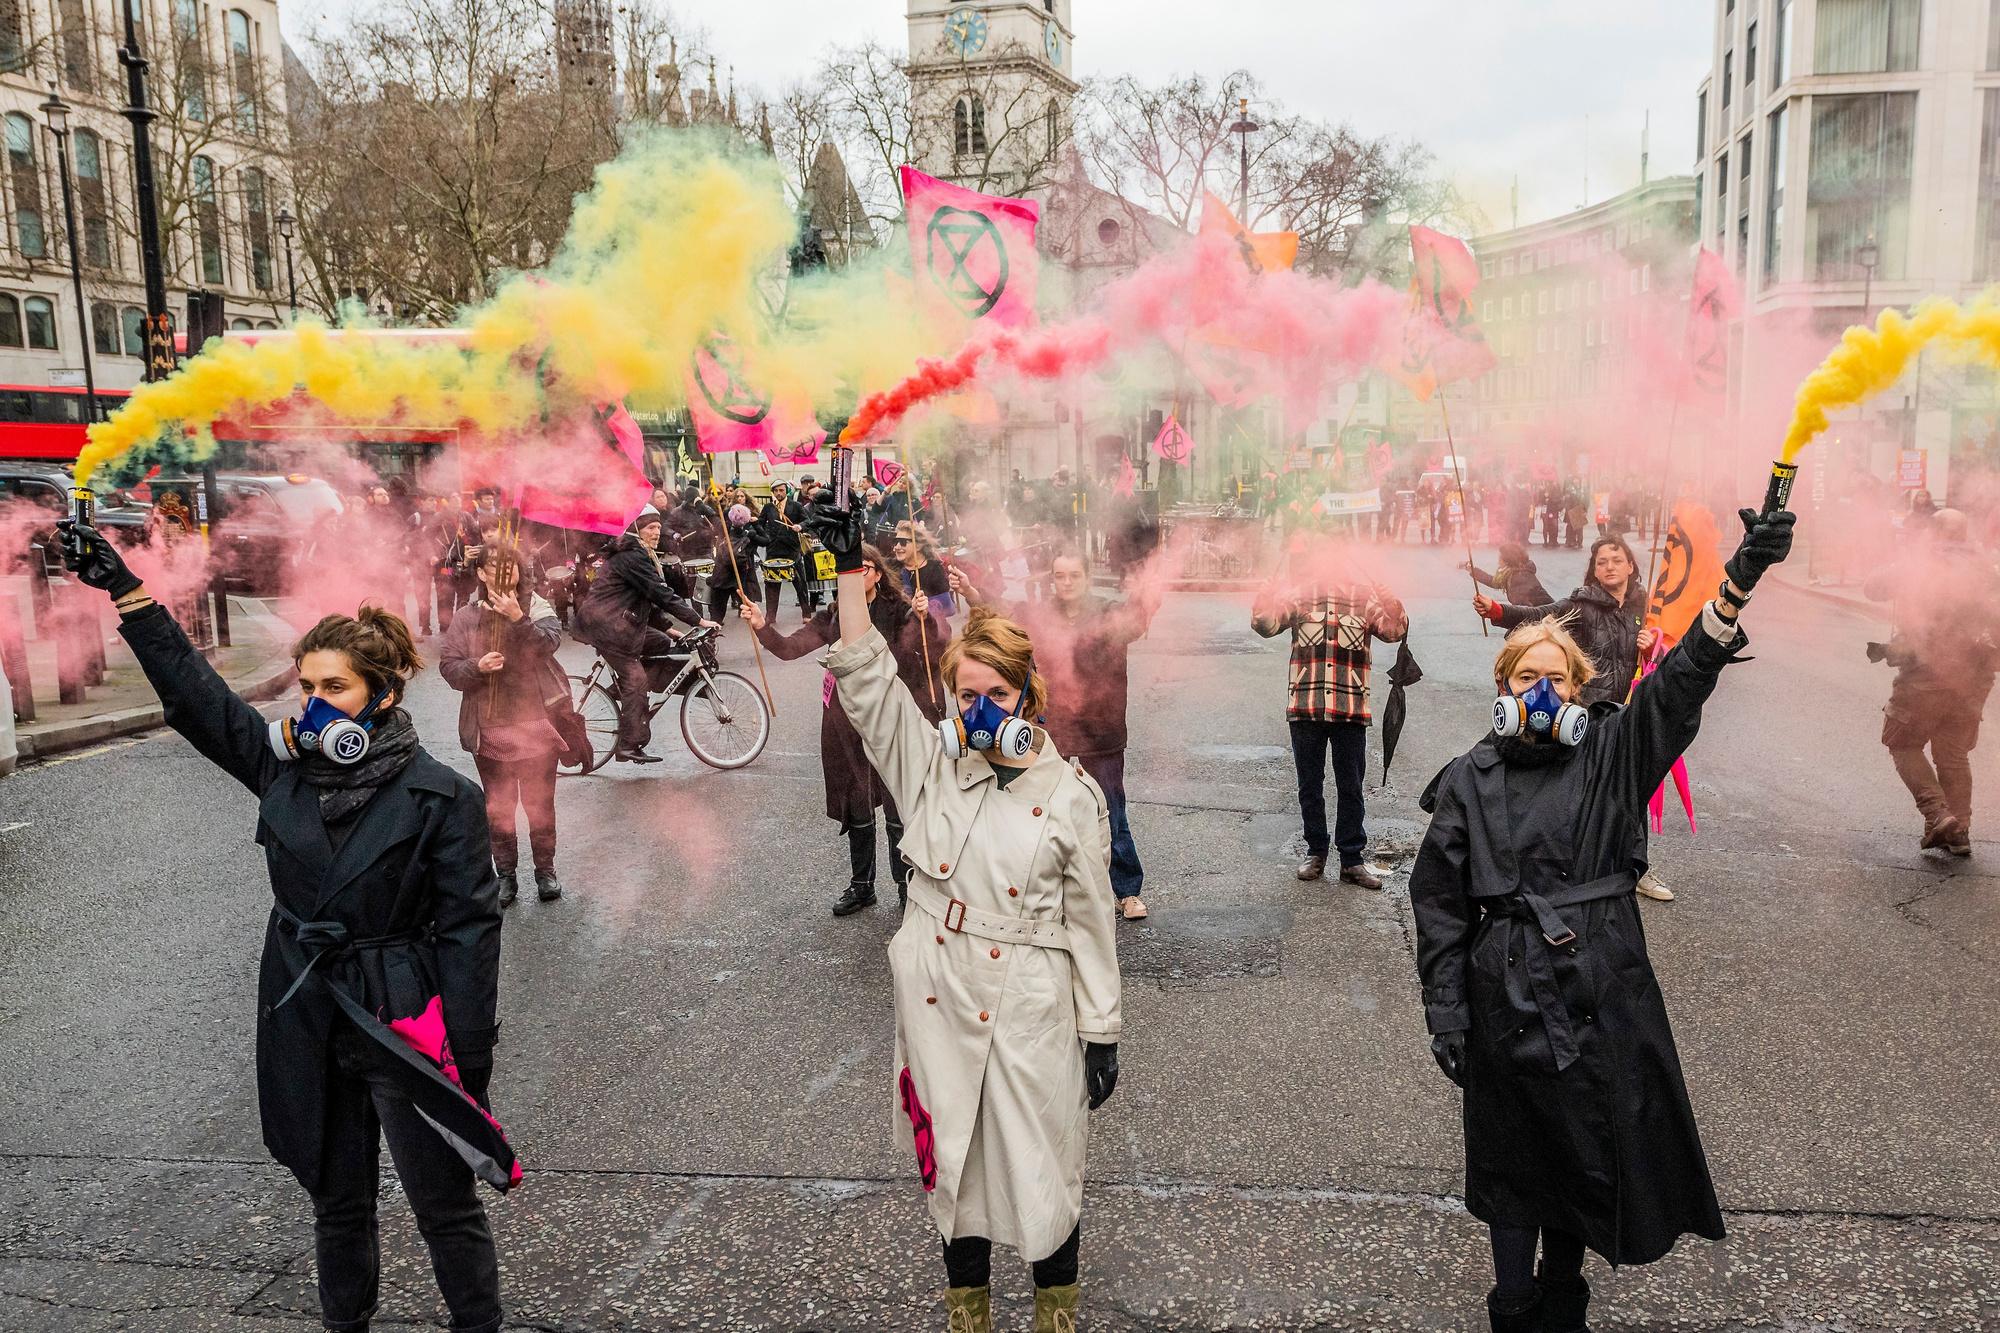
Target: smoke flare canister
[1778,495]
[83,506]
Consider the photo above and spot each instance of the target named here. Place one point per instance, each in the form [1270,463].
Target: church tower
[991,88]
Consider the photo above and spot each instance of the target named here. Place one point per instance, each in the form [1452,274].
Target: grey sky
[1495,87]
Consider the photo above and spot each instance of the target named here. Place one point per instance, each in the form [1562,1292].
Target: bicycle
[724,717]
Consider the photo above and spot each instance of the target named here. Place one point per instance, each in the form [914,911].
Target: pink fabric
[1657,805]
[425,1034]
[887,472]
[1128,478]
[605,491]
[920,1127]
[973,253]
[1173,442]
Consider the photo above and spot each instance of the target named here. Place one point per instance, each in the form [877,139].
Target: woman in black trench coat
[853,788]
[376,996]
[1537,989]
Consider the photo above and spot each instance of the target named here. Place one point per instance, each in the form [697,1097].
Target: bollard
[90,622]
[14,657]
[72,652]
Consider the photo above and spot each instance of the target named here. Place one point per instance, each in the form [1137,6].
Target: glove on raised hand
[1100,1071]
[1767,540]
[1448,1049]
[839,531]
[94,560]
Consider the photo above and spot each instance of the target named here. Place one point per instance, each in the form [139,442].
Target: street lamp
[57,113]
[1244,127]
[159,324]
[287,225]
[1868,256]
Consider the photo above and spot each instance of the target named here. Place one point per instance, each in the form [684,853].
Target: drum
[700,567]
[779,569]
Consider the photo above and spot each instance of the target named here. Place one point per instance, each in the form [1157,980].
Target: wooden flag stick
[923,621]
[729,545]
[1464,511]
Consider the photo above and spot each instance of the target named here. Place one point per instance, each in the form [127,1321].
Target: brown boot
[1055,1308]
[1312,867]
[968,1310]
[1942,832]
[1360,876]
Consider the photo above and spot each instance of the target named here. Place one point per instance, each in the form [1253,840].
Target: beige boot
[968,1309]
[1055,1308]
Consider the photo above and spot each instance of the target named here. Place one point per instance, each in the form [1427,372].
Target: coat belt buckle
[955,924]
[1568,937]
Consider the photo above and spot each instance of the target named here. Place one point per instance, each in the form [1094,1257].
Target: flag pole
[1464,511]
[1661,509]
[729,545]
[923,621]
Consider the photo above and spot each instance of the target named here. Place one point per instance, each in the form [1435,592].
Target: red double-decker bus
[44,423]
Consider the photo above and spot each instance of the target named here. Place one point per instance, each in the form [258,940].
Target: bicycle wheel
[724,720]
[600,723]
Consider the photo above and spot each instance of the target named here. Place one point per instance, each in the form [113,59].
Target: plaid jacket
[1330,654]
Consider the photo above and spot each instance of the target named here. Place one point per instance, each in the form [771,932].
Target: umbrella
[1404,674]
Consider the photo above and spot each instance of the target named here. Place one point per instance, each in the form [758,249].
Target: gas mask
[984,726]
[324,729]
[1540,712]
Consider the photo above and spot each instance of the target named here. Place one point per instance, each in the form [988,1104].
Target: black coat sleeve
[635,569]
[1652,731]
[815,634]
[1444,914]
[1510,615]
[198,703]
[468,928]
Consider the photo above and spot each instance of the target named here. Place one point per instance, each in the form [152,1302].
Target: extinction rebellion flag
[972,252]
[1712,304]
[1441,341]
[733,414]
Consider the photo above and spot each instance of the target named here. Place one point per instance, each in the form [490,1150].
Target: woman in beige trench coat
[1006,966]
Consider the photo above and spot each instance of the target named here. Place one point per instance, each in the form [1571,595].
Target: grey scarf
[345,788]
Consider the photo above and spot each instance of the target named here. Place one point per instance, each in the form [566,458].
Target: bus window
[62,408]
[16,405]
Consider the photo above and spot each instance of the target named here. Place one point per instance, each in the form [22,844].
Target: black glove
[476,1079]
[94,560]
[1100,1071]
[1767,540]
[839,531]
[1448,1049]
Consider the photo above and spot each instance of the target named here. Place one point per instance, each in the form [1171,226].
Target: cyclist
[616,618]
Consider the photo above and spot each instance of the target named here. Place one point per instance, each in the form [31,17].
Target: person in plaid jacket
[1333,613]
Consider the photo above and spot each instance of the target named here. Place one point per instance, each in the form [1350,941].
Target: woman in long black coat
[377,993]
[1537,988]
[853,788]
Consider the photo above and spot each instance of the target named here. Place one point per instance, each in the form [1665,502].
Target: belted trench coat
[1006,961]
[1529,940]
[396,927]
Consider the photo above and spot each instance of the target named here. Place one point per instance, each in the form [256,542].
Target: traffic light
[205,318]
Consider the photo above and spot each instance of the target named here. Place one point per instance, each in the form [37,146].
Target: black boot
[547,887]
[899,869]
[1564,1303]
[510,888]
[861,857]
[1514,1314]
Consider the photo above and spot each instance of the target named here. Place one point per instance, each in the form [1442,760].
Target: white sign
[66,377]
[1335,503]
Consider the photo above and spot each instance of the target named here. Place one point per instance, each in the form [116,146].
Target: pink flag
[730,414]
[1441,340]
[976,250]
[887,472]
[583,485]
[1712,304]
[1128,478]
[1173,443]
[800,451]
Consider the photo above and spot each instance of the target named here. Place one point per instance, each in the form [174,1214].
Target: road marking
[10,828]
[59,760]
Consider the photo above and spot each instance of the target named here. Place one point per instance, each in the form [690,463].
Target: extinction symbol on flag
[718,373]
[1172,443]
[954,245]
[887,473]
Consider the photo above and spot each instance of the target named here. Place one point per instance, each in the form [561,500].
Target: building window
[1750,58]
[1989,188]
[188,59]
[104,328]
[41,313]
[1858,183]
[1701,122]
[1590,291]
[1507,267]
[1774,196]
[132,323]
[240,325]
[1506,307]
[87,150]
[1542,302]
[1559,300]
[10,322]
[1742,204]
[1781,54]
[29,233]
[207,221]
[1865,36]
[14,53]
[968,126]
[1721,200]
[1993,35]
[1486,311]
[78,63]
[257,207]
[1728,76]
[242,69]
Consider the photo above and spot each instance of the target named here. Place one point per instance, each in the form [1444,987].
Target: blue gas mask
[324,729]
[986,726]
[1540,712]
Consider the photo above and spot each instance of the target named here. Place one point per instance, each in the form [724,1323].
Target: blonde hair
[1532,634]
[992,640]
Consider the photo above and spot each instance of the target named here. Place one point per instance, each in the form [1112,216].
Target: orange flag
[1690,569]
[1263,251]
[1442,341]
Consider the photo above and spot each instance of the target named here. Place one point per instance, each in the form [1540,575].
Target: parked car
[45,487]
[267,524]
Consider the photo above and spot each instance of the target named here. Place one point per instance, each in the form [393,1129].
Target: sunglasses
[899,541]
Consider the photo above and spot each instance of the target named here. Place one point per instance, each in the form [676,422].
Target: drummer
[777,530]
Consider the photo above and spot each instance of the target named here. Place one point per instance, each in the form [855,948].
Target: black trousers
[720,602]
[635,723]
[1349,743]
[363,1107]
[530,784]
[968,1262]
[448,599]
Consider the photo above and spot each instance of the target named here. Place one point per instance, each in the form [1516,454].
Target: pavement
[695,1058]
[257,665]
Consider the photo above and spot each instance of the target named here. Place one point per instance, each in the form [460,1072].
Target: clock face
[1052,42]
[965,30]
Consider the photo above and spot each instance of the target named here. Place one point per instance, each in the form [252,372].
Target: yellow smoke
[1869,360]
[680,236]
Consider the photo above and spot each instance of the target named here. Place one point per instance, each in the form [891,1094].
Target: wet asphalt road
[695,1060]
